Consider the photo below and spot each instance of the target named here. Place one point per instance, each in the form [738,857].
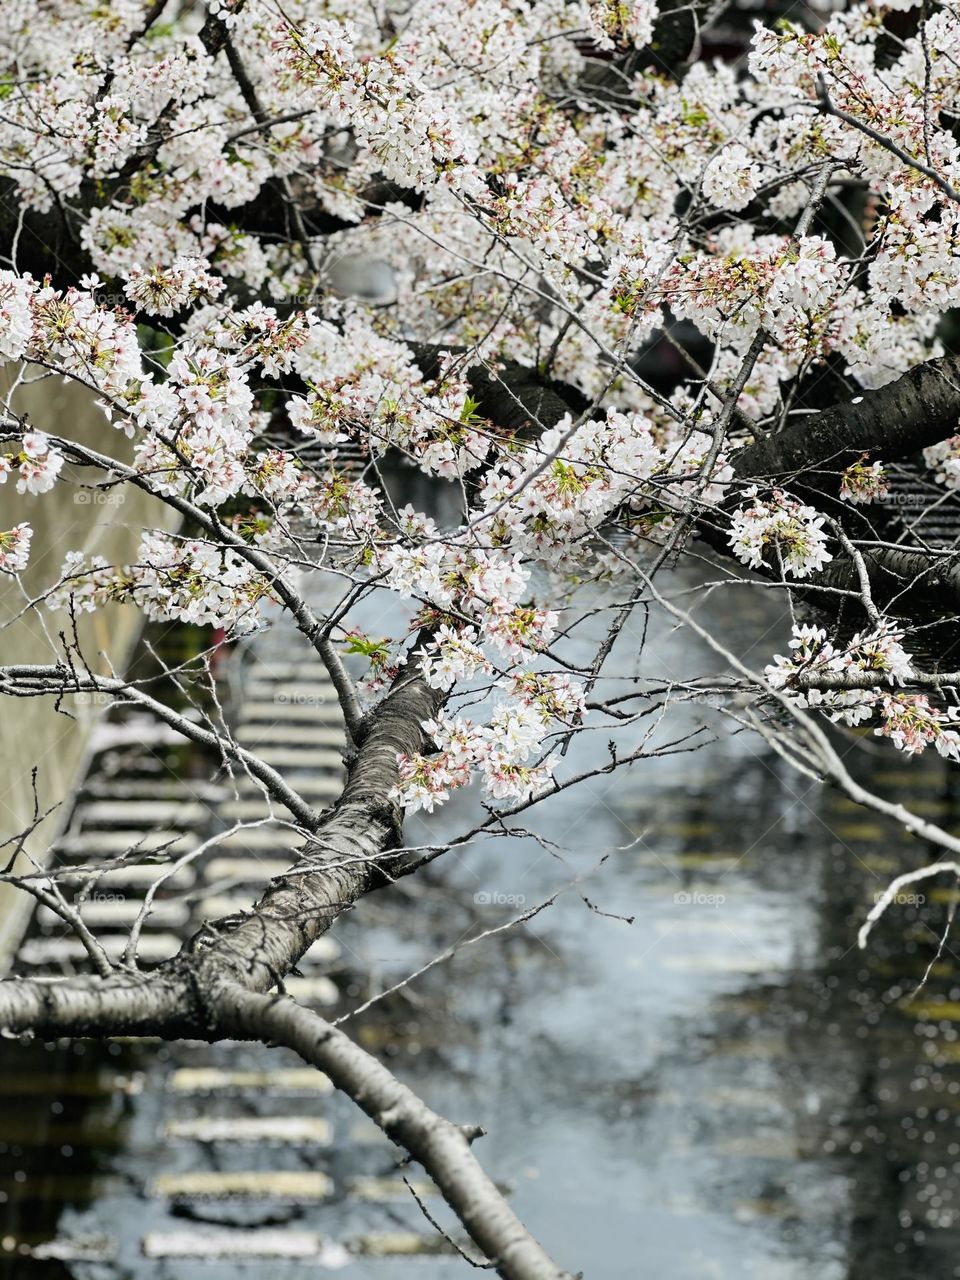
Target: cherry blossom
[15,548]
[863,482]
[784,528]
[518,224]
[623,21]
[943,459]
[40,464]
[913,724]
[192,581]
[161,291]
[16,320]
[501,750]
[731,178]
[910,720]
[451,656]
[483,347]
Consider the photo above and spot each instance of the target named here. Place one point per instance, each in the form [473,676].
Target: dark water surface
[724,1088]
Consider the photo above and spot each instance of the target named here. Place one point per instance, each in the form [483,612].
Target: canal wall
[72,517]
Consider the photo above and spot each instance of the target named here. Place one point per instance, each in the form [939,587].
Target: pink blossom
[15,548]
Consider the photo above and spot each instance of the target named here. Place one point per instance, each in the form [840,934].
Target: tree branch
[442,1147]
[37,681]
[829,109]
[919,409]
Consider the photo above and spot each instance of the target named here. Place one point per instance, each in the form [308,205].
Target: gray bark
[919,409]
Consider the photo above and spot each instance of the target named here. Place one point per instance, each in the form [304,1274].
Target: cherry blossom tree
[627,289]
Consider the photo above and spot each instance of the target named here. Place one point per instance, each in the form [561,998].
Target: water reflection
[724,1088]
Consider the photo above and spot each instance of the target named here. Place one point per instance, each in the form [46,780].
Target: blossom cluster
[547,500]
[863,482]
[813,655]
[195,582]
[731,179]
[442,107]
[366,387]
[943,459]
[909,719]
[69,331]
[15,548]
[173,578]
[912,724]
[520,221]
[502,751]
[37,463]
[164,290]
[622,22]
[452,655]
[781,527]
[16,316]
[486,587]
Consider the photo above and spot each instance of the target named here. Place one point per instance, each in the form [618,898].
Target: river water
[725,1087]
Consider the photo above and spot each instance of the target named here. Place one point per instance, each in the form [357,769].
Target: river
[724,1088]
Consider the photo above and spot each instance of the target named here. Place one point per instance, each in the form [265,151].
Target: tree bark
[919,409]
[442,1147]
